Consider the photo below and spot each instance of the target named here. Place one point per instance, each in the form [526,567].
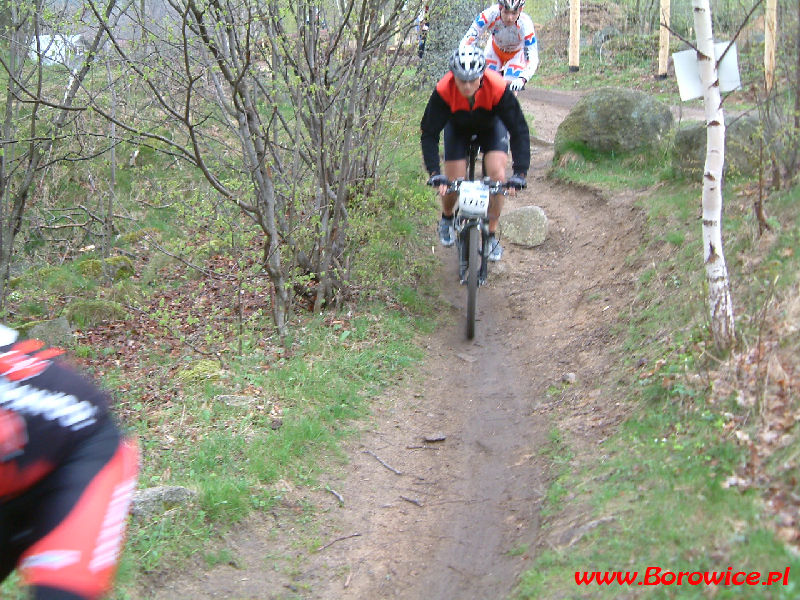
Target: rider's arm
[479,25]
[435,117]
[531,47]
[511,114]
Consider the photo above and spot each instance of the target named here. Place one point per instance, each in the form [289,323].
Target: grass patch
[662,489]
[611,172]
[559,456]
[219,405]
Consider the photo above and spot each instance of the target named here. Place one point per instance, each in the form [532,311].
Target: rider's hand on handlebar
[516,182]
[517,84]
[440,181]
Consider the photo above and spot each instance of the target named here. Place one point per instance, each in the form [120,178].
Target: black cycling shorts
[493,137]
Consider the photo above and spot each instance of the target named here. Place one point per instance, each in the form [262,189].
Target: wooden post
[663,40]
[574,35]
[770,37]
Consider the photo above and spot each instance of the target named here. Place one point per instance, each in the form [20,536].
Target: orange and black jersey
[46,410]
[493,98]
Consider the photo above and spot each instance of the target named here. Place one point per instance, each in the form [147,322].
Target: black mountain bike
[471,224]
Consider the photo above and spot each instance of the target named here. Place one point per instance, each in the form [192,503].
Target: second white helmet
[468,63]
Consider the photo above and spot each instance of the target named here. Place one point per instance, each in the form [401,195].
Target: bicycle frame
[463,224]
[471,224]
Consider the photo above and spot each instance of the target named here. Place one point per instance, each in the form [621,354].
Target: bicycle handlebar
[495,187]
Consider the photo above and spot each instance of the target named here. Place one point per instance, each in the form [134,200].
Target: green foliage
[200,371]
[61,281]
[135,236]
[90,313]
[11,589]
[389,230]
[585,166]
[449,21]
[660,493]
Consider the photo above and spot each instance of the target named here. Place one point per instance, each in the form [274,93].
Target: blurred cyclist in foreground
[67,475]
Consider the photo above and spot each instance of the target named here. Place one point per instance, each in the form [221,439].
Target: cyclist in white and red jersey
[67,475]
[512,51]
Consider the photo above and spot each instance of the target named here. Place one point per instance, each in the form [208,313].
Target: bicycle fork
[462,227]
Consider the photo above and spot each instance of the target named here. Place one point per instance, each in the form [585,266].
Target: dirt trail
[459,517]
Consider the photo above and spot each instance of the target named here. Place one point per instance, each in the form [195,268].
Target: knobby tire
[472,281]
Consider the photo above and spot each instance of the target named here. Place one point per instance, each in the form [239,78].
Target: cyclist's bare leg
[453,169]
[495,162]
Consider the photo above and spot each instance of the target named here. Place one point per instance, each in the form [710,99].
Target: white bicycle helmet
[7,335]
[512,4]
[468,63]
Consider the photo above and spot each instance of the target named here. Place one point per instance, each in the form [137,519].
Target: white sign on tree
[687,71]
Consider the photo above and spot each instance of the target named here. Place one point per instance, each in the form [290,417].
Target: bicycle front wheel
[472,280]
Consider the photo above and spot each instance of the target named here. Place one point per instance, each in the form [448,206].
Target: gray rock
[611,120]
[160,499]
[525,226]
[742,140]
[56,332]
[689,149]
[569,378]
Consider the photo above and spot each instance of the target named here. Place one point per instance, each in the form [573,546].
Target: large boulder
[611,120]
[56,332]
[742,141]
[525,226]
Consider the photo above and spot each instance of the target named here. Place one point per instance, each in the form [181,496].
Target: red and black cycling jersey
[46,410]
[493,99]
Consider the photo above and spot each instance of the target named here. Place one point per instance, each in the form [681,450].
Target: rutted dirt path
[457,516]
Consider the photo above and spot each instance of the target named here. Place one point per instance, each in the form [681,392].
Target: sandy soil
[442,495]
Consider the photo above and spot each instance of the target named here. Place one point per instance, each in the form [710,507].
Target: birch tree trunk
[719,296]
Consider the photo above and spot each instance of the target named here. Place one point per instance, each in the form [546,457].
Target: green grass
[559,456]
[613,173]
[307,396]
[661,482]
[232,455]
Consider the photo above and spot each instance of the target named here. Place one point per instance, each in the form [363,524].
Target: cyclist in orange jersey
[470,100]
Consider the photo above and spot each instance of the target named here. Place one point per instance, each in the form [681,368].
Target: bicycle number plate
[473,199]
